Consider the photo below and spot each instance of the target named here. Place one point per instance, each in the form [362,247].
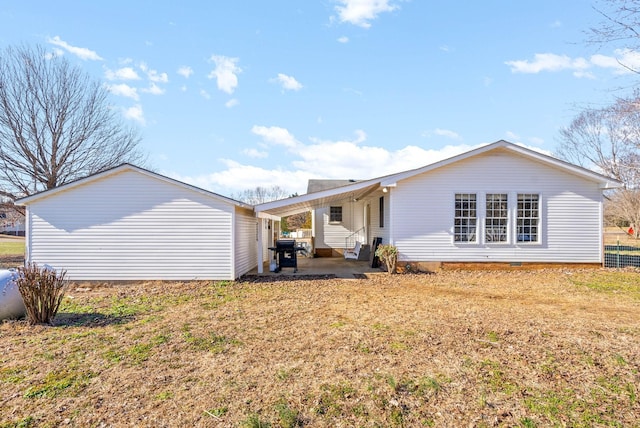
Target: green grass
[610,282]
[12,248]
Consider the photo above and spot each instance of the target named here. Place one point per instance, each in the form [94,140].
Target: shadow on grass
[91,319]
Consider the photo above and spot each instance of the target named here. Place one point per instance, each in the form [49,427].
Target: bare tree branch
[56,124]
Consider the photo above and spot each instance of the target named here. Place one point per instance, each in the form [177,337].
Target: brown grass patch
[526,348]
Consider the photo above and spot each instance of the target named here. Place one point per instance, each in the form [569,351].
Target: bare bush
[389,256]
[42,290]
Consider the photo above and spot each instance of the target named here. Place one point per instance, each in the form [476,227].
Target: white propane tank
[11,304]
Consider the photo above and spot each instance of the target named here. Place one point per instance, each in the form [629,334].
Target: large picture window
[528,220]
[335,214]
[496,217]
[465,220]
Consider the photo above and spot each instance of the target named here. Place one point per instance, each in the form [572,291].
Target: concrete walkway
[337,266]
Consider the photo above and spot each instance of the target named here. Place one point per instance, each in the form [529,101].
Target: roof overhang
[311,201]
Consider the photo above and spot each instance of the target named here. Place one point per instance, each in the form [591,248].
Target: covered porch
[352,228]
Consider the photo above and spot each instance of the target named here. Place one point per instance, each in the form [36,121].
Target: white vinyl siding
[131,226]
[377,231]
[246,246]
[570,212]
[332,235]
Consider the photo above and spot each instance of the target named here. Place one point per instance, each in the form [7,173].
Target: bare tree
[620,26]
[298,221]
[260,195]
[56,124]
[608,139]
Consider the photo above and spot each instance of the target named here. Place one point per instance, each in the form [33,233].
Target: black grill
[286,254]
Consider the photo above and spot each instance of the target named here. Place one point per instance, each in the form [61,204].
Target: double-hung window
[528,220]
[465,220]
[496,218]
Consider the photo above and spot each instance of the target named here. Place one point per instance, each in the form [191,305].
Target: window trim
[538,226]
[507,218]
[512,220]
[331,221]
[470,229]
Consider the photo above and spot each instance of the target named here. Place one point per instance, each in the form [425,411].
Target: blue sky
[230,95]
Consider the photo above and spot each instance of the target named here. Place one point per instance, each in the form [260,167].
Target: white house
[128,223]
[501,203]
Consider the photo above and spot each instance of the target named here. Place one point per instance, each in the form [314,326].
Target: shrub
[42,290]
[389,255]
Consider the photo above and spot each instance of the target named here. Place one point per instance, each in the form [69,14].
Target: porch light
[385,190]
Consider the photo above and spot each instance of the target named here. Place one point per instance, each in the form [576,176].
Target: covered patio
[336,266]
[270,213]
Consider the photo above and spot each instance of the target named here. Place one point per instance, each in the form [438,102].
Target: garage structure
[128,223]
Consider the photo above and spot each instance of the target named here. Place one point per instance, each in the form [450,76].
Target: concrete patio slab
[337,266]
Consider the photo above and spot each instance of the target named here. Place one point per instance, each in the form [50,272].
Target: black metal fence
[619,256]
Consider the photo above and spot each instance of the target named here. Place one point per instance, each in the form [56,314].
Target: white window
[335,214]
[465,219]
[528,220]
[496,218]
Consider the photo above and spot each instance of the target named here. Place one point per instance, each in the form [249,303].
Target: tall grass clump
[42,290]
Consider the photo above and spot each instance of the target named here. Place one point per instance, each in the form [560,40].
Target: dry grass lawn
[525,348]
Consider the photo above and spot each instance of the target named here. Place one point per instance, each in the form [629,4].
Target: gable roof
[359,189]
[117,170]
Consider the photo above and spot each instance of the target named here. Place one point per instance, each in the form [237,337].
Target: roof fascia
[307,197]
[119,169]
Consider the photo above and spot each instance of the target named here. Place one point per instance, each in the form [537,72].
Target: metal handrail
[350,241]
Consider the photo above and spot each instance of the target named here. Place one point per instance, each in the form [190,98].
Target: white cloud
[124,73]
[204,94]
[255,153]
[512,136]
[185,71]
[153,89]
[231,103]
[360,12]
[343,39]
[447,133]
[154,75]
[124,90]
[225,72]
[135,113]
[319,159]
[287,82]
[275,135]
[237,177]
[82,53]
[322,159]
[56,53]
[548,62]
[622,61]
